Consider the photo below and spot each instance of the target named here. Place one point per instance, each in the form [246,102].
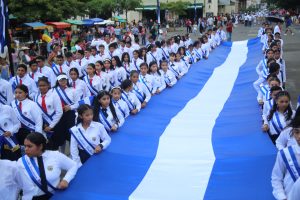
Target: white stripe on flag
[185,155]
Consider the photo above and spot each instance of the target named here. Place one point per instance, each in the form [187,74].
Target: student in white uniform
[152,54]
[94,55]
[281,62]
[102,75]
[160,84]
[79,85]
[27,112]
[279,116]
[136,61]
[120,72]
[87,137]
[22,78]
[70,63]
[42,185]
[182,65]
[165,50]
[139,89]
[169,77]
[184,58]
[110,73]
[6,93]
[268,105]
[286,137]
[34,73]
[92,81]
[48,102]
[88,58]
[131,100]
[45,70]
[105,112]
[118,102]
[191,54]
[294,193]
[146,79]
[9,179]
[9,126]
[126,63]
[81,62]
[264,94]
[69,102]
[173,67]
[103,53]
[58,67]
[286,170]
[197,51]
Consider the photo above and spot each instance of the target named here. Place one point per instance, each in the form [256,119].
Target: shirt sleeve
[282,140]
[162,83]
[120,117]
[67,164]
[278,174]
[9,94]
[74,151]
[146,92]
[104,137]
[137,102]
[15,121]
[58,110]
[37,117]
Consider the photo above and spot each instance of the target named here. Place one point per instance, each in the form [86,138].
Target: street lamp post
[158,17]
[195,18]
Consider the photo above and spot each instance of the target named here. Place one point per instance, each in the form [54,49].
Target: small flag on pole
[3,24]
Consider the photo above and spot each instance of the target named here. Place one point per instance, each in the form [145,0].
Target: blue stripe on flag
[116,173]
[244,155]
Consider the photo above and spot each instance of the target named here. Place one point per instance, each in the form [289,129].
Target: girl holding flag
[146,79]
[27,112]
[69,102]
[110,73]
[121,73]
[9,125]
[158,78]
[133,103]
[139,89]
[136,61]
[102,75]
[51,111]
[88,137]
[169,77]
[118,102]
[92,81]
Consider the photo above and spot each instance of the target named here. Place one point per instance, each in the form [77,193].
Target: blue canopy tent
[92,21]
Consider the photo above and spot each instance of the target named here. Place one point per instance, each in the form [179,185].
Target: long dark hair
[150,65]
[289,110]
[123,57]
[118,62]
[37,139]
[97,106]
[57,84]
[295,123]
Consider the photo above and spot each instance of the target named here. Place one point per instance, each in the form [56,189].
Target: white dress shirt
[26,80]
[169,77]
[121,75]
[105,80]
[54,163]
[138,86]
[94,134]
[72,95]
[83,64]
[9,186]
[152,56]
[160,83]
[81,88]
[96,83]
[48,72]
[36,76]
[174,68]
[285,139]
[31,110]
[282,181]
[111,76]
[111,119]
[71,65]
[6,94]
[282,120]
[148,81]
[131,98]
[135,64]
[122,107]
[51,100]
[8,119]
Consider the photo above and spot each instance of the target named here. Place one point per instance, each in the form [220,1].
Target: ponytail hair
[289,110]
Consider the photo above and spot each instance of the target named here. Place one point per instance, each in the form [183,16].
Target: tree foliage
[178,7]
[287,4]
[130,5]
[46,10]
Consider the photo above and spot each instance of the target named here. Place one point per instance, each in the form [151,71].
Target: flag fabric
[200,139]
[3,24]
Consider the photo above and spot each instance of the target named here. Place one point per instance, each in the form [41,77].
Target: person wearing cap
[25,57]
[22,78]
[69,102]
[34,73]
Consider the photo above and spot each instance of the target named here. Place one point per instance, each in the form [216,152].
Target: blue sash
[81,140]
[139,95]
[142,80]
[55,69]
[119,107]
[127,71]
[46,117]
[10,141]
[104,121]
[291,163]
[134,62]
[264,90]
[184,62]
[15,83]
[153,57]
[165,55]
[90,86]
[190,56]
[3,99]
[174,71]
[197,54]
[167,80]
[26,122]
[34,173]
[271,103]
[128,102]
[63,96]
[277,123]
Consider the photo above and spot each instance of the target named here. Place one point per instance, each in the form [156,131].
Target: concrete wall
[211,6]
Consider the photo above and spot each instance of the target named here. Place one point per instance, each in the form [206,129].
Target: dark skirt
[21,135]
[61,130]
[273,137]
[84,156]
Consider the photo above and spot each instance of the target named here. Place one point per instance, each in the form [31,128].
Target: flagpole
[158,16]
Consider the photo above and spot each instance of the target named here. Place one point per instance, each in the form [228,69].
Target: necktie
[60,68]
[32,75]
[42,173]
[80,62]
[44,103]
[91,81]
[104,110]
[74,84]
[21,81]
[20,105]
[40,70]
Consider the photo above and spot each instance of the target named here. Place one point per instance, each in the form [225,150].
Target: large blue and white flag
[200,139]
[3,24]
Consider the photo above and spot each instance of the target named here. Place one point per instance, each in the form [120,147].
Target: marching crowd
[280,121]
[81,98]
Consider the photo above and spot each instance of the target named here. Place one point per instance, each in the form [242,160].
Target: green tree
[129,5]
[178,7]
[46,10]
[101,7]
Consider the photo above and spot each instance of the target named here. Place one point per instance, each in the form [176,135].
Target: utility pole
[158,17]
[195,18]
